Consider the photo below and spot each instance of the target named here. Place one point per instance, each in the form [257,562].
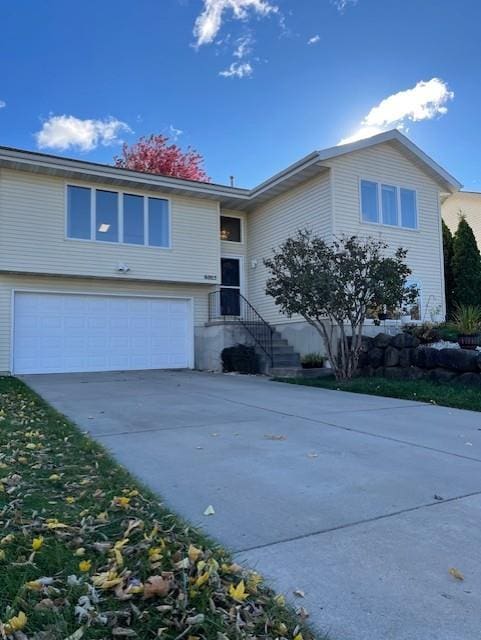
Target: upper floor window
[230,229]
[388,204]
[108,216]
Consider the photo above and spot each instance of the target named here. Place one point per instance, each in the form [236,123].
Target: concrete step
[299,372]
[292,360]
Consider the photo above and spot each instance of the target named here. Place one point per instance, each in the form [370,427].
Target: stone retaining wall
[401,356]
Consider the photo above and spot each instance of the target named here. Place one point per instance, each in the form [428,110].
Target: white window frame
[379,184]
[120,215]
[232,242]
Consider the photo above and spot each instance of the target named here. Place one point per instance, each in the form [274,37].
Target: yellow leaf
[253,581]
[121,501]
[17,623]
[37,543]
[54,477]
[85,566]
[106,580]
[456,573]
[69,499]
[194,553]
[103,517]
[203,578]
[238,593]
[2,555]
[80,552]
[298,637]
[280,600]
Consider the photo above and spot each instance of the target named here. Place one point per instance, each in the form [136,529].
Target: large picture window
[388,204]
[109,216]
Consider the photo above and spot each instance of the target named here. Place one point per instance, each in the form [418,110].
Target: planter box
[469,342]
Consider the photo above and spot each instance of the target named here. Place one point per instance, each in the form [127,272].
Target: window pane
[158,222]
[369,201]
[389,204]
[107,216]
[78,213]
[409,217]
[134,219]
[230,229]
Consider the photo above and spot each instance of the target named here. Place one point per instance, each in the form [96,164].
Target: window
[158,223]
[369,201]
[78,213]
[134,219]
[109,216]
[408,209]
[106,216]
[414,309]
[388,204]
[230,229]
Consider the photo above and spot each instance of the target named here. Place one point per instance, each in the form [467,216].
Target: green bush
[448,332]
[240,358]
[427,332]
[313,360]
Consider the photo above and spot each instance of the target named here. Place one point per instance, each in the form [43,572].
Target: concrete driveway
[363,503]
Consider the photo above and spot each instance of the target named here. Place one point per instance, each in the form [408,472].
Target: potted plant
[312,361]
[467,322]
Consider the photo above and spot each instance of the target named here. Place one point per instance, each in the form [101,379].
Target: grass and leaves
[447,395]
[87,552]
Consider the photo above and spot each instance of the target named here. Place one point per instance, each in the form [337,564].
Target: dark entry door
[230,287]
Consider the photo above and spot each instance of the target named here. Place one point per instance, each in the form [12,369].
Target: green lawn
[87,552]
[422,390]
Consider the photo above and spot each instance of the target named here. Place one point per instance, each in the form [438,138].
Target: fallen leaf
[198,619]
[299,593]
[273,436]
[209,511]
[456,573]
[158,585]
[76,635]
[123,632]
[238,593]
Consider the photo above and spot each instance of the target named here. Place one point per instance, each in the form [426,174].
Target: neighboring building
[103,268]
[467,203]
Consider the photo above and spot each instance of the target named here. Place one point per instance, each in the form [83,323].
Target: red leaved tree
[154,154]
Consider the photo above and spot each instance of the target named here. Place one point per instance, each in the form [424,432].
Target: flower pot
[469,341]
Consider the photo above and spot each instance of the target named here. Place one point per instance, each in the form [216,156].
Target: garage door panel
[56,333]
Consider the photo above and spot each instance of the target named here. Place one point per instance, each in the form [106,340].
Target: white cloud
[342,5]
[244,47]
[3,104]
[314,40]
[174,133]
[209,22]
[237,70]
[64,132]
[424,101]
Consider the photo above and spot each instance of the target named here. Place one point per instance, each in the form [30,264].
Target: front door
[230,286]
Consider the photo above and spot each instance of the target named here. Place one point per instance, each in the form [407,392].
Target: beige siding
[468,204]
[307,206]
[32,236]
[384,163]
[79,285]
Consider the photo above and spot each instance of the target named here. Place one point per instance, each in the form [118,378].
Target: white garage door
[57,333]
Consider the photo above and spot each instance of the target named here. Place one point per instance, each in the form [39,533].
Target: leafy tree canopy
[333,286]
[154,154]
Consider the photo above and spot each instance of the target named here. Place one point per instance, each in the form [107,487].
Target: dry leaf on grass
[158,585]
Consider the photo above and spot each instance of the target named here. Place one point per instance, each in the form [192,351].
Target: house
[468,204]
[104,268]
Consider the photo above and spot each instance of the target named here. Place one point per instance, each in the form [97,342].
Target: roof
[229,197]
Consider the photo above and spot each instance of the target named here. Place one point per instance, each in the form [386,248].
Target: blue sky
[252,84]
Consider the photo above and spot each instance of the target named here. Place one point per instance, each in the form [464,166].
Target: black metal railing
[229,305]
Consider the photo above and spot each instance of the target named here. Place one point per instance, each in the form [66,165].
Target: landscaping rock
[441,375]
[401,340]
[460,360]
[470,380]
[391,357]
[406,357]
[382,340]
[426,357]
[376,357]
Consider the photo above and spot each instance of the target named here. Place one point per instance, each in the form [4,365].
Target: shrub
[425,332]
[313,360]
[447,332]
[240,358]
[467,319]
[466,264]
